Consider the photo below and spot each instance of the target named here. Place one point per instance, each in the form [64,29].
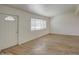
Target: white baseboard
[64,34]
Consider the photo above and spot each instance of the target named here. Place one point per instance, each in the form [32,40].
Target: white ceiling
[48,10]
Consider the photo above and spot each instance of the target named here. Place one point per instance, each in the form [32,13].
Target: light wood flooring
[47,45]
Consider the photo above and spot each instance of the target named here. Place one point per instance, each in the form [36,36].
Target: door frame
[17,25]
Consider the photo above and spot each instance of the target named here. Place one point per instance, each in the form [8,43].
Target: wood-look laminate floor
[48,45]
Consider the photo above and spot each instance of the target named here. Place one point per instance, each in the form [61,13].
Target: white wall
[25,34]
[67,24]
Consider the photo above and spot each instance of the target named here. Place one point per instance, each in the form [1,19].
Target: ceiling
[48,10]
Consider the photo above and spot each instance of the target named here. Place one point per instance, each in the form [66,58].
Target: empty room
[39,29]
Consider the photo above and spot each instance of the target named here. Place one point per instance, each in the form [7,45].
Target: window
[9,18]
[38,24]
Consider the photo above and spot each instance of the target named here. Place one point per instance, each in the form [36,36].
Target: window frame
[42,24]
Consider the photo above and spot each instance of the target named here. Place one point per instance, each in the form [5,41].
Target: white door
[8,31]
